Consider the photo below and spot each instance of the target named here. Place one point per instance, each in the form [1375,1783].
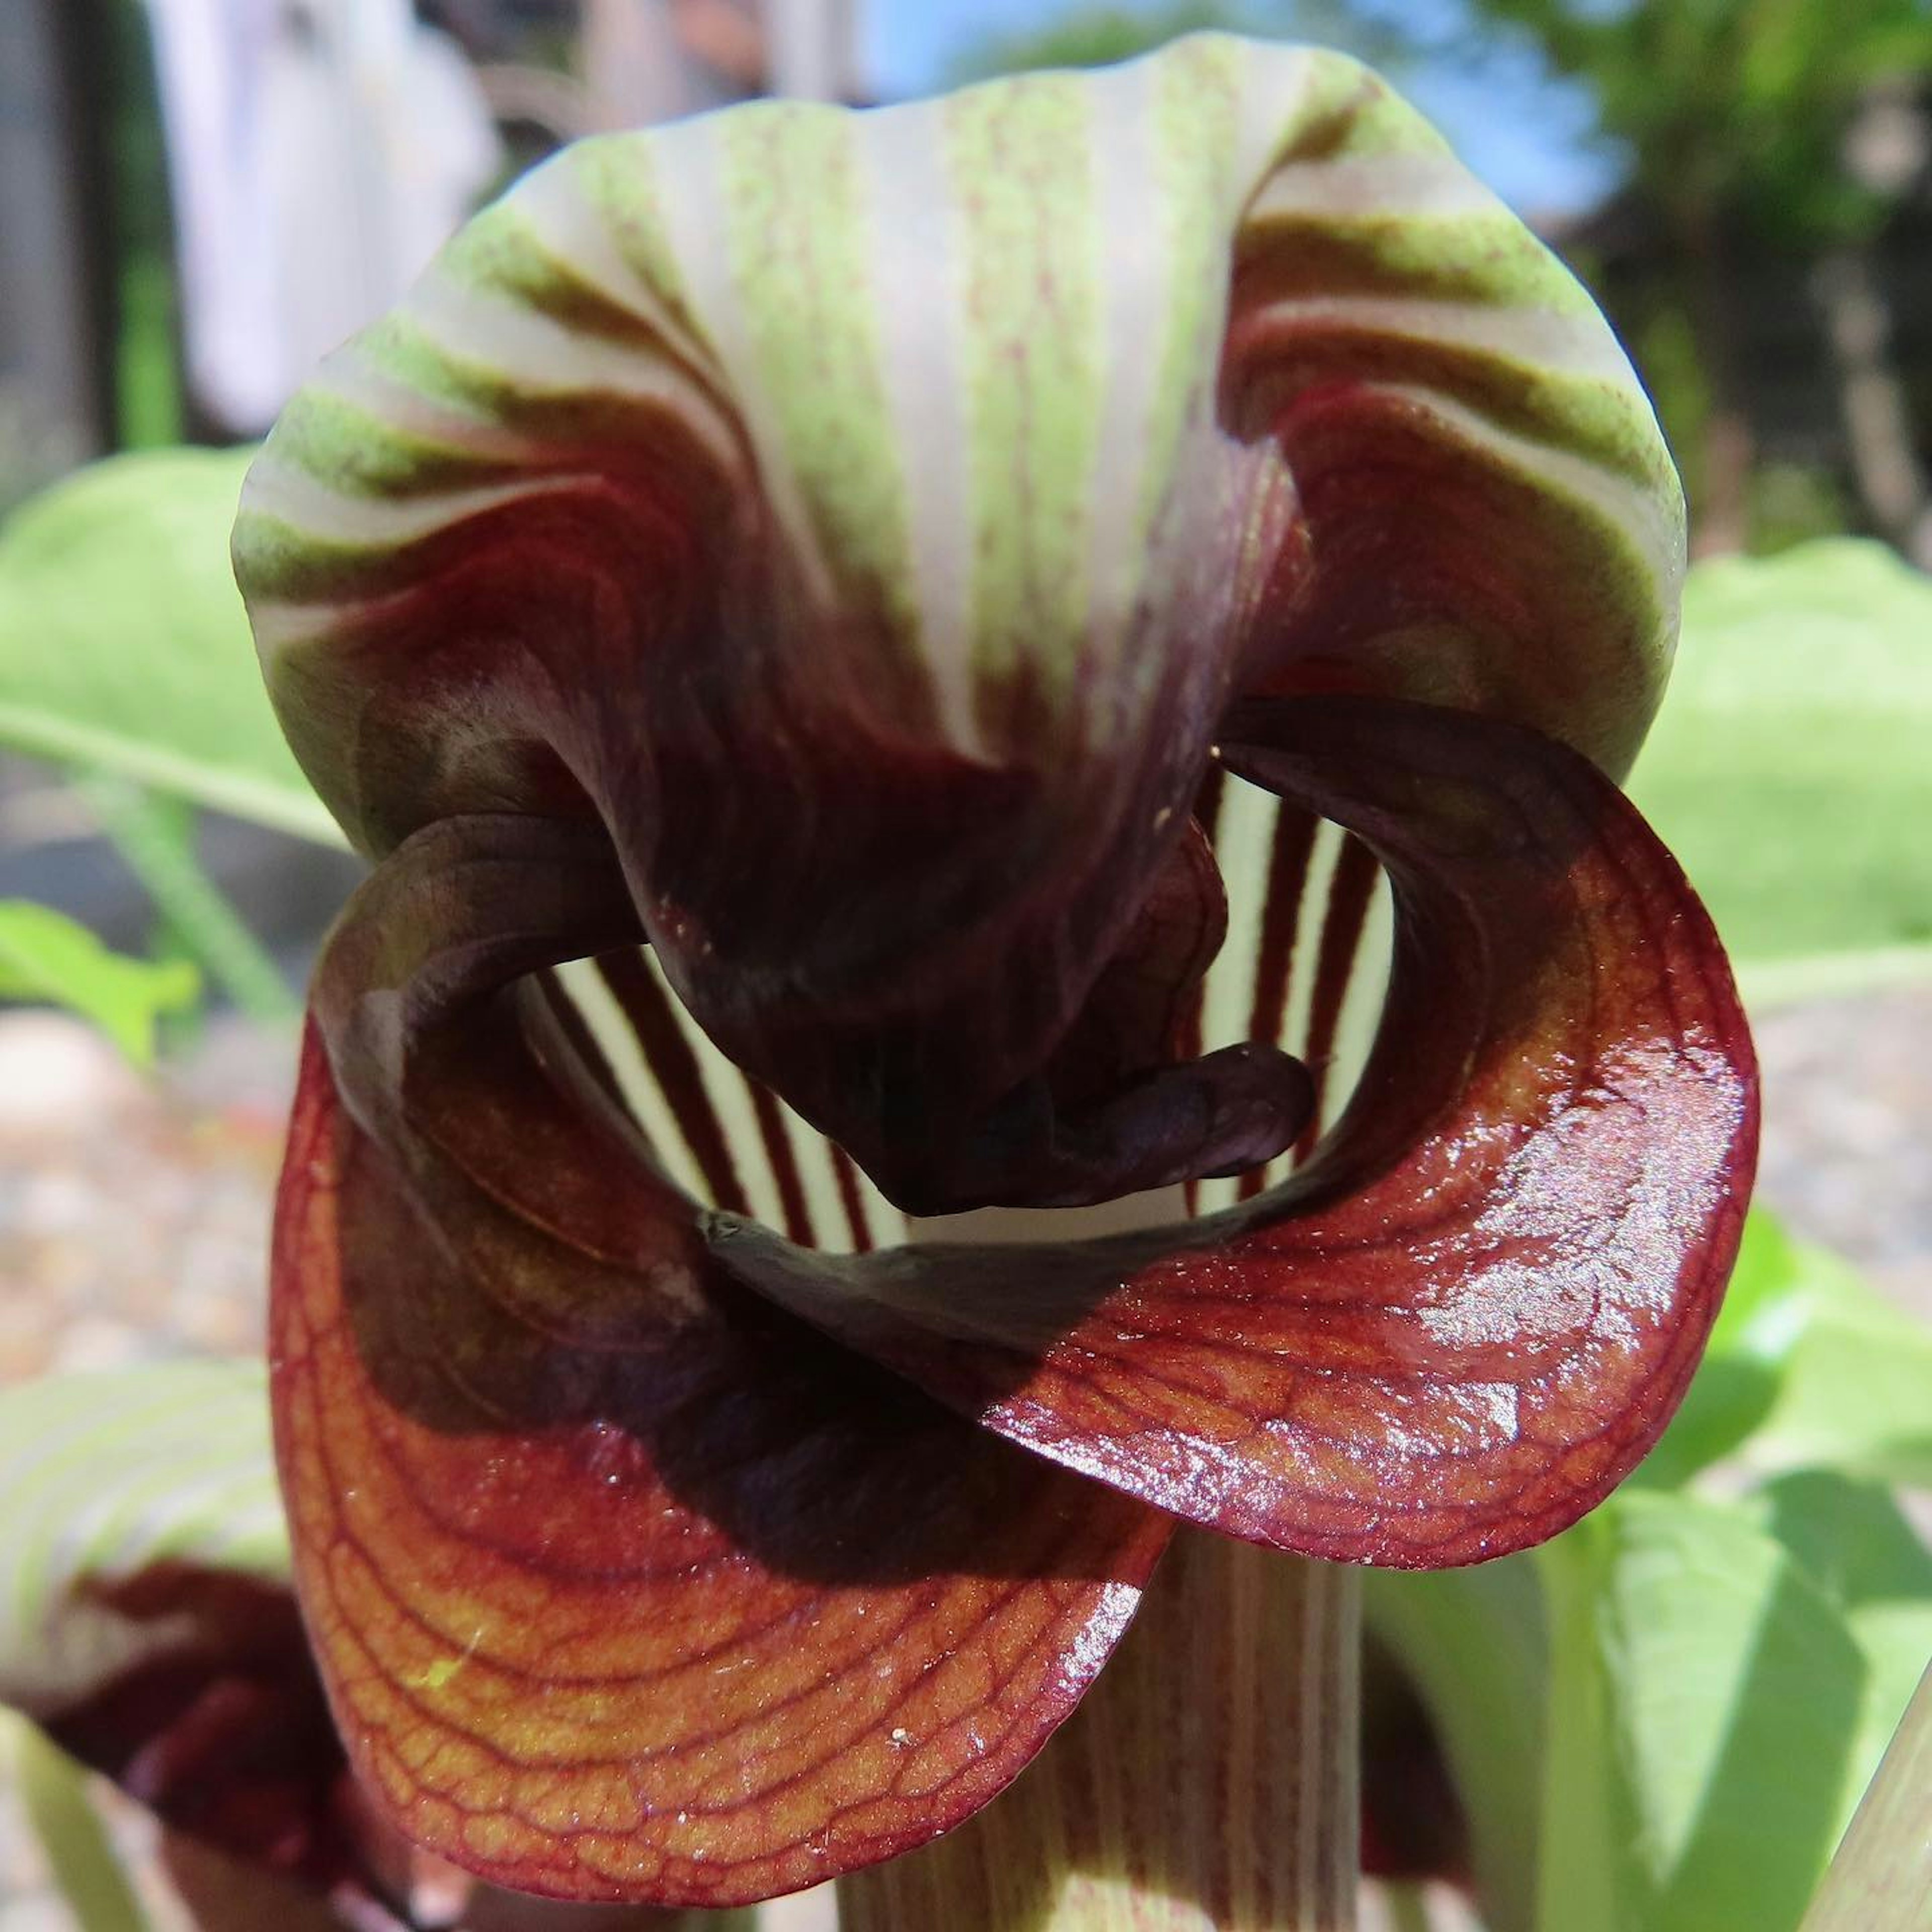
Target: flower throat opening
[1304,967]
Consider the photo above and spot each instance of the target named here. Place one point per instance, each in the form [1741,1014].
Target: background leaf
[44,956]
[1878,1881]
[1702,1758]
[1473,1643]
[1852,1540]
[86,1869]
[1806,1365]
[123,644]
[155,837]
[1787,769]
[1663,1718]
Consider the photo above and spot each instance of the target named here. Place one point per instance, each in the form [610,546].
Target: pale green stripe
[618,175]
[1033,372]
[100,1474]
[1197,111]
[399,348]
[350,444]
[1349,114]
[801,256]
[1345,99]
[1481,255]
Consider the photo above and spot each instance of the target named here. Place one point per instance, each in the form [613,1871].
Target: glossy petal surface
[1469,1319]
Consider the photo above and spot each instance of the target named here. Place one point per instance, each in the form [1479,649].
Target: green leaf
[46,956]
[155,836]
[1709,1701]
[1472,1642]
[1663,1718]
[123,645]
[1786,770]
[104,1477]
[1807,1366]
[1852,1540]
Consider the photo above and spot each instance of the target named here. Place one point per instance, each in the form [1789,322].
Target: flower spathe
[843,554]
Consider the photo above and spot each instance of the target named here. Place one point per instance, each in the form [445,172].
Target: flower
[858,559]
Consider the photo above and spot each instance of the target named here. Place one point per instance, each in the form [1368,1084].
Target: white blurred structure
[651,60]
[320,152]
[811,45]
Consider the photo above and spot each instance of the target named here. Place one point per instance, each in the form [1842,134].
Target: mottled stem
[1208,1783]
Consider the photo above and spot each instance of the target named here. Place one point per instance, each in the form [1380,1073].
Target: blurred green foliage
[45,957]
[149,409]
[1736,106]
[1789,768]
[124,648]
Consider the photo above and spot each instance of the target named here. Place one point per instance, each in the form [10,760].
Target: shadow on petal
[1468,1319]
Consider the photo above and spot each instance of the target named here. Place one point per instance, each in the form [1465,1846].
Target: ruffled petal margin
[1467,1320]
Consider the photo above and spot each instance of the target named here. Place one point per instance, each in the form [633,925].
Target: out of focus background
[199,198]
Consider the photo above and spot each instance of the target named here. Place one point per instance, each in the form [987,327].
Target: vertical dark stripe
[583,1042]
[850,1199]
[673,1066]
[1289,854]
[784,1166]
[1287,881]
[1349,891]
[1208,816]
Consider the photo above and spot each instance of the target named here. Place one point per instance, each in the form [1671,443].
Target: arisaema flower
[847,640]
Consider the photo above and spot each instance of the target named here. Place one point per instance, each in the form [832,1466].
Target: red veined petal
[1468,1319]
[625,1584]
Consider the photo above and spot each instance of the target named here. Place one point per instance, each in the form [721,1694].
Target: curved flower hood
[867,519]
[849,555]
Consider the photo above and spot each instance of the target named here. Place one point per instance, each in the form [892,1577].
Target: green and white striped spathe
[104,1477]
[977,362]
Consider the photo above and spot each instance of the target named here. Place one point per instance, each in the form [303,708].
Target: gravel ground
[1848,1132]
[134,1212]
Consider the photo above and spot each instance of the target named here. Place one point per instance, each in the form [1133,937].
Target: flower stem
[1208,1784]
[1876,1882]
